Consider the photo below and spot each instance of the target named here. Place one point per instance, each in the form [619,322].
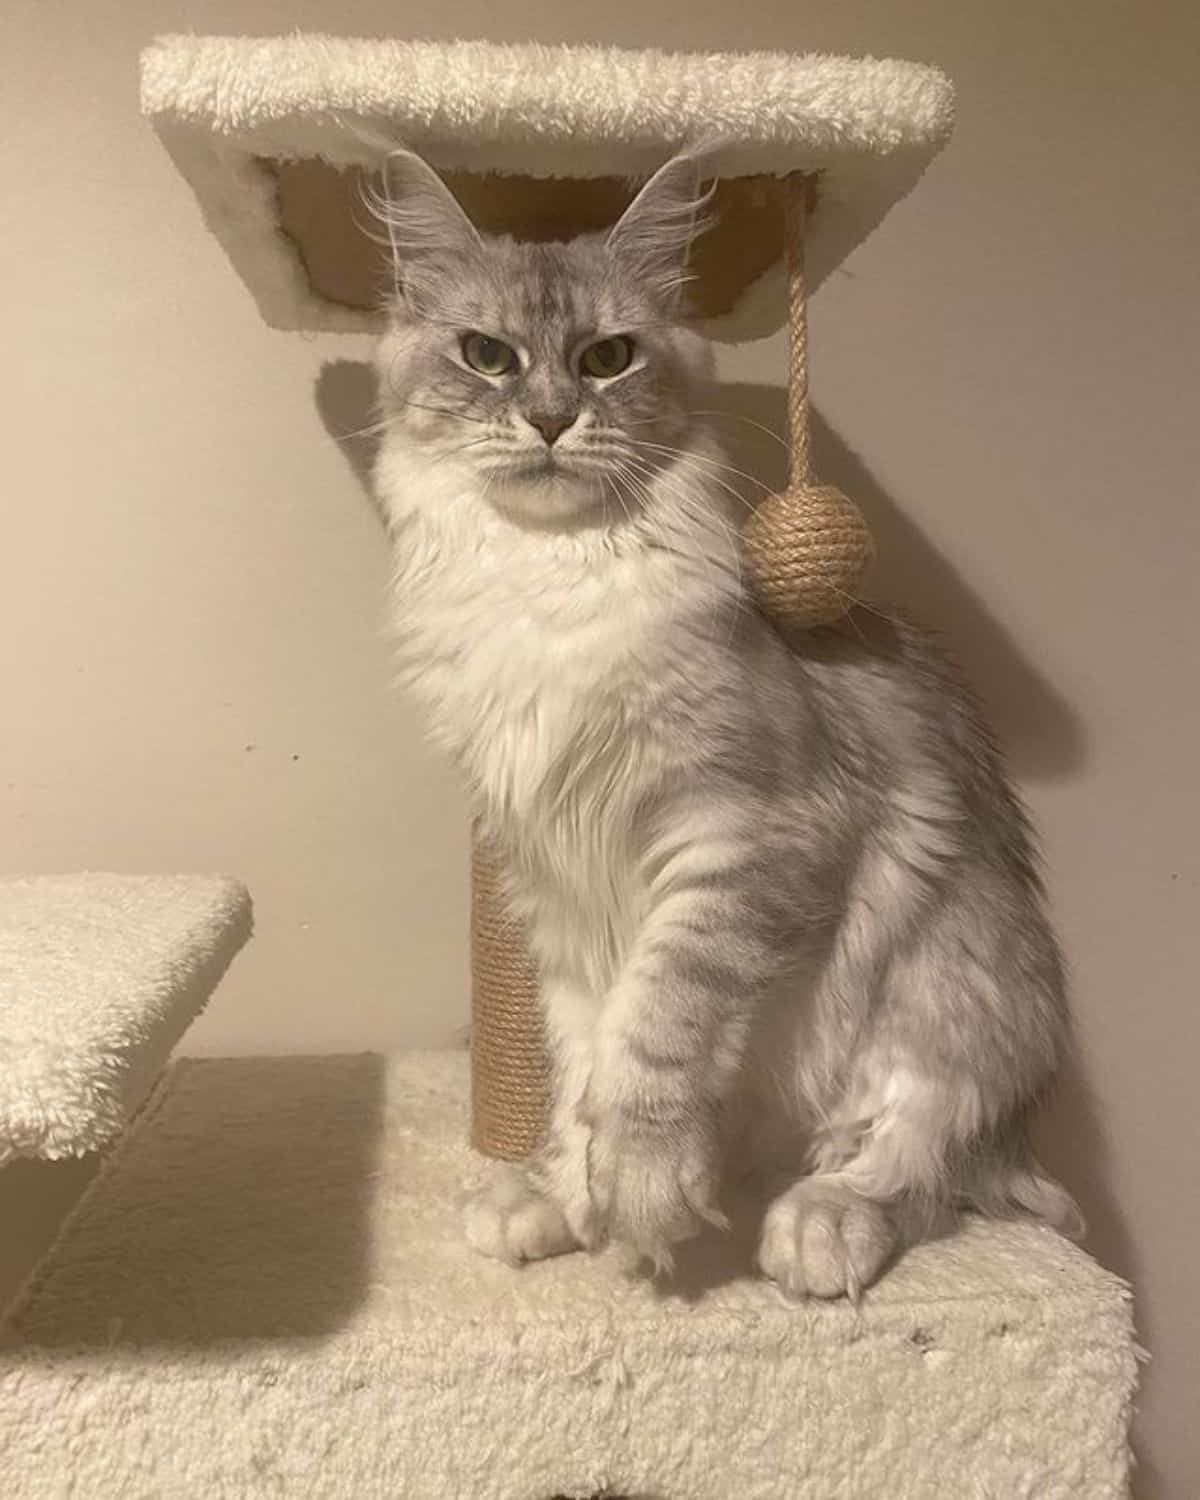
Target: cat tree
[267,1292]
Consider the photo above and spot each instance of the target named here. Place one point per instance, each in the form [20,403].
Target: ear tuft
[420,215]
[652,238]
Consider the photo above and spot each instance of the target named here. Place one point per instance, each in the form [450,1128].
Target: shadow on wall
[1071,1139]
[345,397]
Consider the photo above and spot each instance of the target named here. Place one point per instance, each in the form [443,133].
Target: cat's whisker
[727,416]
[611,479]
[857,603]
[445,411]
[710,478]
[645,500]
[460,448]
[637,487]
[733,416]
[673,451]
[699,515]
[848,617]
[715,463]
[688,501]
[372,429]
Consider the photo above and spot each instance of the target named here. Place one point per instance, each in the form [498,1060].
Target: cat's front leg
[653,1165]
[570,1013]
[668,1050]
[543,1208]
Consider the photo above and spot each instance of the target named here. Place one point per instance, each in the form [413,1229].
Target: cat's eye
[607,358]
[488,356]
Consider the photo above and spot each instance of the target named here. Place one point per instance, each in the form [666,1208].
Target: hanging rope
[806,550]
[799,435]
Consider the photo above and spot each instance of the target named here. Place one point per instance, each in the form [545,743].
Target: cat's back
[876,673]
[903,724]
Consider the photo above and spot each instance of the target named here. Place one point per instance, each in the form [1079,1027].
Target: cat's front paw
[651,1187]
[510,1220]
[822,1239]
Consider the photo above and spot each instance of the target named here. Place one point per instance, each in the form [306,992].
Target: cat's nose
[551,425]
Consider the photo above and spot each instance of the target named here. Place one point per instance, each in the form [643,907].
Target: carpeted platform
[100,975]
[267,1294]
[273,134]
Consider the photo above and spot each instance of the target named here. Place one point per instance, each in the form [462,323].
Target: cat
[783,903]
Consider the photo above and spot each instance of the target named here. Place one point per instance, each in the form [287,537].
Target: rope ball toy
[806,550]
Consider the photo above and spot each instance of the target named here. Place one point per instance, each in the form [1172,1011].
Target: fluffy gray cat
[781,897]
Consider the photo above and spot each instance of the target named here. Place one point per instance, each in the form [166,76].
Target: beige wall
[190,647]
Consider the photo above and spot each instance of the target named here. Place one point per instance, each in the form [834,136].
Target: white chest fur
[547,667]
[542,659]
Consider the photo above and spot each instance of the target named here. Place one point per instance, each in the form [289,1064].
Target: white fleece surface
[268,1295]
[99,977]
[220,104]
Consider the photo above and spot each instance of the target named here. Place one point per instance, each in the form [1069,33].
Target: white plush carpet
[100,975]
[267,1295]
[226,107]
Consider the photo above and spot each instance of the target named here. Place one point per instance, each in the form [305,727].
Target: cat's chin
[548,498]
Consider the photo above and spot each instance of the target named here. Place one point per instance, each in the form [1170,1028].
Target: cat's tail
[1015,1185]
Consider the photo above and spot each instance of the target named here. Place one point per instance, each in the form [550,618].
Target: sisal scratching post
[277,137]
[509,1070]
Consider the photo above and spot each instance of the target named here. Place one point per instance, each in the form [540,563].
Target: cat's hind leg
[881,1182]
[919,1102]
[822,1239]
[511,1219]
[544,1208]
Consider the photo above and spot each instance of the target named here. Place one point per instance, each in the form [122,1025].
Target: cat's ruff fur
[781,896]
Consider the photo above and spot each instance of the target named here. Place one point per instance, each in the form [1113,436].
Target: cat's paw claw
[824,1240]
[649,1194]
[509,1220]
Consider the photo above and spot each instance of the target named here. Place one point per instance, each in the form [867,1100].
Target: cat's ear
[652,238]
[421,216]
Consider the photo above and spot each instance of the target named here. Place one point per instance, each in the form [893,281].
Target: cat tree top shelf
[276,136]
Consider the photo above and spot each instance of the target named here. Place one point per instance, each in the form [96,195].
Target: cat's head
[556,379]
